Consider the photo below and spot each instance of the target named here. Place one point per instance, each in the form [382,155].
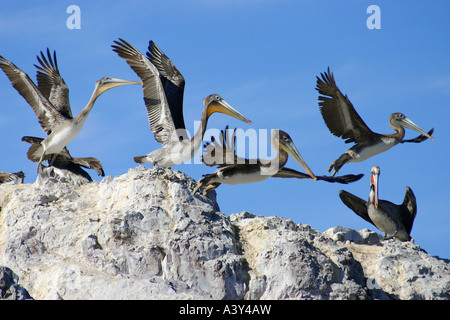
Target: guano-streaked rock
[144,235]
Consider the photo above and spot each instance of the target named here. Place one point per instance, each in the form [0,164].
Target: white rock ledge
[144,235]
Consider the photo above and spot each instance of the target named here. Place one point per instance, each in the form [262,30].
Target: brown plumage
[343,121]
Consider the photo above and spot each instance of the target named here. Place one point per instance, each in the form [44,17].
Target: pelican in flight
[52,107]
[234,170]
[237,170]
[392,219]
[17,177]
[343,121]
[163,87]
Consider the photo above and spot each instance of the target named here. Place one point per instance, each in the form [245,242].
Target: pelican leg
[338,163]
[210,188]
[206,184]
[40,165]
[53,159]
[199,184]
[331,167]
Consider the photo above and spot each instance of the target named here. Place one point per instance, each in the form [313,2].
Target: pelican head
[107,83]
[284,141]
[400,120]
[215,103]
[375,173]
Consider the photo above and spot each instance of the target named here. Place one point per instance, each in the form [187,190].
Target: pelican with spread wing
[51,105]
[17,177]
[343,121]
[232,169]
[392,219]
[163,88]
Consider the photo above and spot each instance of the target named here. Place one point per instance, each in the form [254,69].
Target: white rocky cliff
[144,235]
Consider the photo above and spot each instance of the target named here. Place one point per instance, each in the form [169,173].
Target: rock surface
[144,235]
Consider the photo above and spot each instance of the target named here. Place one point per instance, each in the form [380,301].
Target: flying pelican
[237,170]
[55,117]
[18,177]
[163,87]
[391,219]
[64,160]
[343,121]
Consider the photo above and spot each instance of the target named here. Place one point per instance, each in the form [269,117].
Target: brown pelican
[236,170]
[52,85]
[53,114]
[391,219]
[18,177]
[343,121]
[64,160]
[163,87]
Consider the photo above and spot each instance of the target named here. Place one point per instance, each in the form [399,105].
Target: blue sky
[263,58]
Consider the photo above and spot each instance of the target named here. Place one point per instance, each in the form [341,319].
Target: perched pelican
[391,219]
[53,112]
[163,87]
[343,121]
[18,177]
[236,170]
[64,160]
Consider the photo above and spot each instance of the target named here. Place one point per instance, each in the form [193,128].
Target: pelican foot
[196,188]
[331,166]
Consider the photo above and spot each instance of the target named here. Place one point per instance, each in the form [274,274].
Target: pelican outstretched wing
[222,152]
[172,81]
[8,177]
[356,204]
[63,160]
[291,173]
[51,83]
[49,117]
[338,112]
[158,111]
[409,210]
[419,138]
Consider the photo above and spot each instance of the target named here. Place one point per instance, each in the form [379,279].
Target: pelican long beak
[223,107]
[407,123]
[374,187]
[108,83]
[290,148]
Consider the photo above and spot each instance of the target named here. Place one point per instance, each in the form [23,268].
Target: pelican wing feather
[51,84]
[49,117]
[172,81]
[338,112]
[222,152]
[158,111]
